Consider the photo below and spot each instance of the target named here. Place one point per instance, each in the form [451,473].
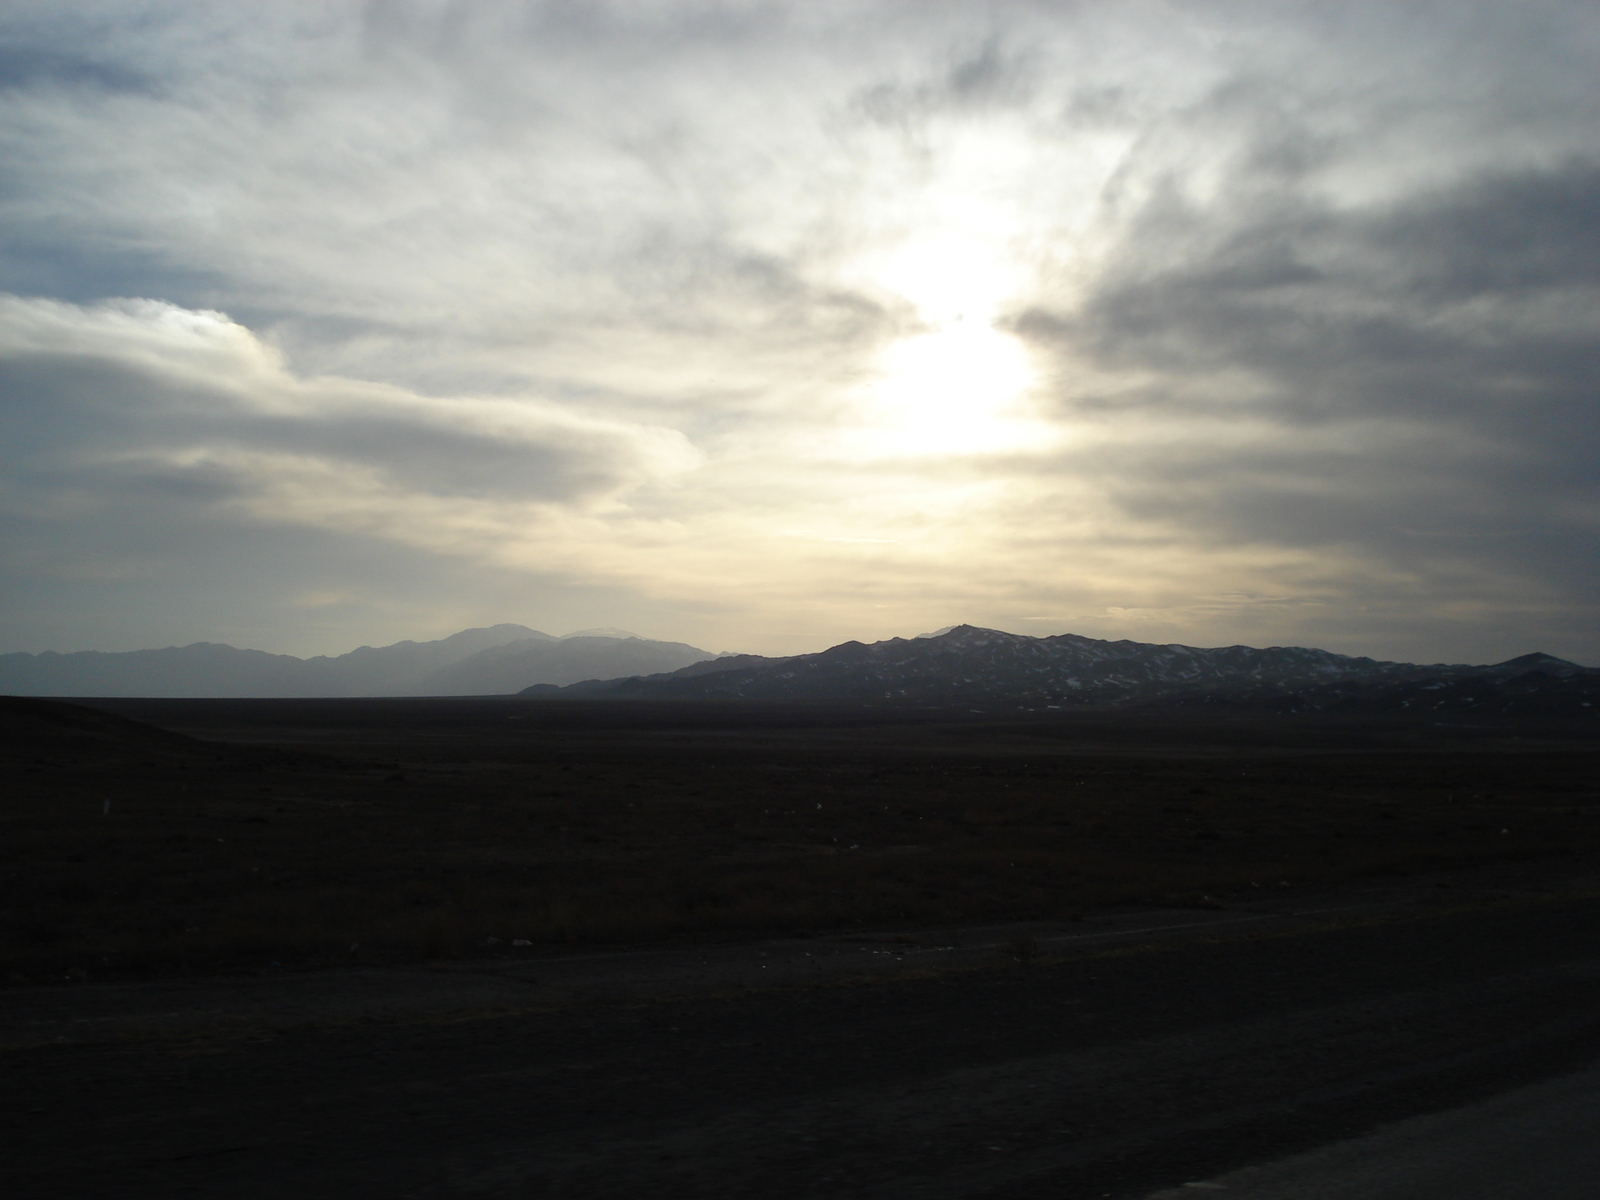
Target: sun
[951,390]
[959,384]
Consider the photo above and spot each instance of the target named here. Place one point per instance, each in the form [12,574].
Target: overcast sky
[767,326]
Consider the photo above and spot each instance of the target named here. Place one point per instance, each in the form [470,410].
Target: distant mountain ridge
[496,660]
[969,666]
[962,666]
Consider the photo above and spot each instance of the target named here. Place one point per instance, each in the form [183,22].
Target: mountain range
[475,662]
[968,666]
[963,667]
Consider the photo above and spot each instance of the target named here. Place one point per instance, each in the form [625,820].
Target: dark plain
[162,837]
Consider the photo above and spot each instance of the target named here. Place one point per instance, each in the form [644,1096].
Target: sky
[766,326]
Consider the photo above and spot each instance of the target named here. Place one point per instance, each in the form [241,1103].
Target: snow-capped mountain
[966,665]
[1531,685]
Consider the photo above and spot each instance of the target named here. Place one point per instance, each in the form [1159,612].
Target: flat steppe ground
[504,947]
[291,834]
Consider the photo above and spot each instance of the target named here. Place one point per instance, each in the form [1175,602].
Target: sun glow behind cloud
[963,242]
[954,384]
[956,389]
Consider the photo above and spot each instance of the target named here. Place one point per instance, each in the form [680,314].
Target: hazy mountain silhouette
[499,659]
[509,668]
[976,667]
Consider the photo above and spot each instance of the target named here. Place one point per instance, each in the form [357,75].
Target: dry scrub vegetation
[364,837]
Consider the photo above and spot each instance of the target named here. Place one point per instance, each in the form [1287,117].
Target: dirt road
[1121,1060]
[1535,1143]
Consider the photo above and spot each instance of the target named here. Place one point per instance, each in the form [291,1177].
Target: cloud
[1341,376]
[609,298]
[35,68]
[139,397]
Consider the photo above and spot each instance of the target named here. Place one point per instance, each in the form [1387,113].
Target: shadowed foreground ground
[776,954]
[1114,1069]
[316,833]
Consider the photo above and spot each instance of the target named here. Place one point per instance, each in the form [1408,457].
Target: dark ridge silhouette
[967,665]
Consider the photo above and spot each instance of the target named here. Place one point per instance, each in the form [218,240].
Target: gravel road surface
[1535,1143]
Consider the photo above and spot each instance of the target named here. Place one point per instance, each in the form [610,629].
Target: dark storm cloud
[1418,380]
[1471,305]
[33,66]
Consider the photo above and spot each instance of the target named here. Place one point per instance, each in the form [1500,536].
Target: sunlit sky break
[766,326]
